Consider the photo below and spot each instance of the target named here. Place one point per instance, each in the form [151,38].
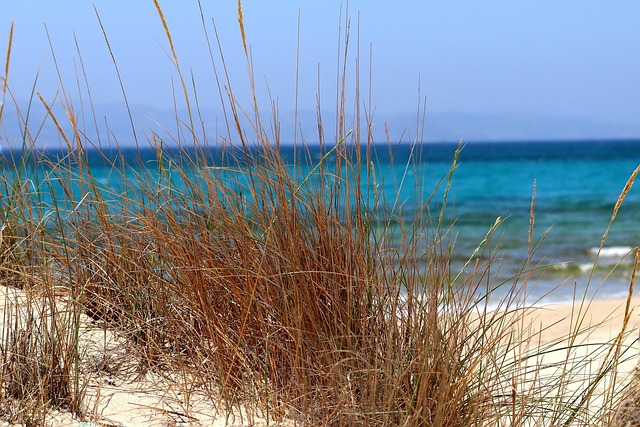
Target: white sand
[116,398]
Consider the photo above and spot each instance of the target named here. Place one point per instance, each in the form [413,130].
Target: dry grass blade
[166,31]
[5,78]
[53,117]
[117,69]
[532,216]
[7,60]
[623,195]
[242,33]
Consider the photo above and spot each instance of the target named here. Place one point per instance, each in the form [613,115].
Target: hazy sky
[558,59]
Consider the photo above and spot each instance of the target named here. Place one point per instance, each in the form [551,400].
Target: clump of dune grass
[282,289]
[39,368]
[38,344]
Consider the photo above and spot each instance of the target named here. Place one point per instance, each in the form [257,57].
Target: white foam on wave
[613,251]
[585,267]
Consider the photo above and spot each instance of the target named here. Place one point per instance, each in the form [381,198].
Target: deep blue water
[577,185]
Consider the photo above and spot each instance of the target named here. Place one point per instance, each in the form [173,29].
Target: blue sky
[489,70]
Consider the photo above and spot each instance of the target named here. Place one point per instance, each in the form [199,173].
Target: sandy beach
[571,344]
[604,316]
[118,394]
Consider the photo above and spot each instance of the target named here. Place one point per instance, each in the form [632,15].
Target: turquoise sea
[577,184]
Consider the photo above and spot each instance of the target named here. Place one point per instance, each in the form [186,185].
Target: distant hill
[438,127]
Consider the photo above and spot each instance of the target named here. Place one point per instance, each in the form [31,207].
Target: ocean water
[577,185]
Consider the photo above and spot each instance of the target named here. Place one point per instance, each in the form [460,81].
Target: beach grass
[282,293]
